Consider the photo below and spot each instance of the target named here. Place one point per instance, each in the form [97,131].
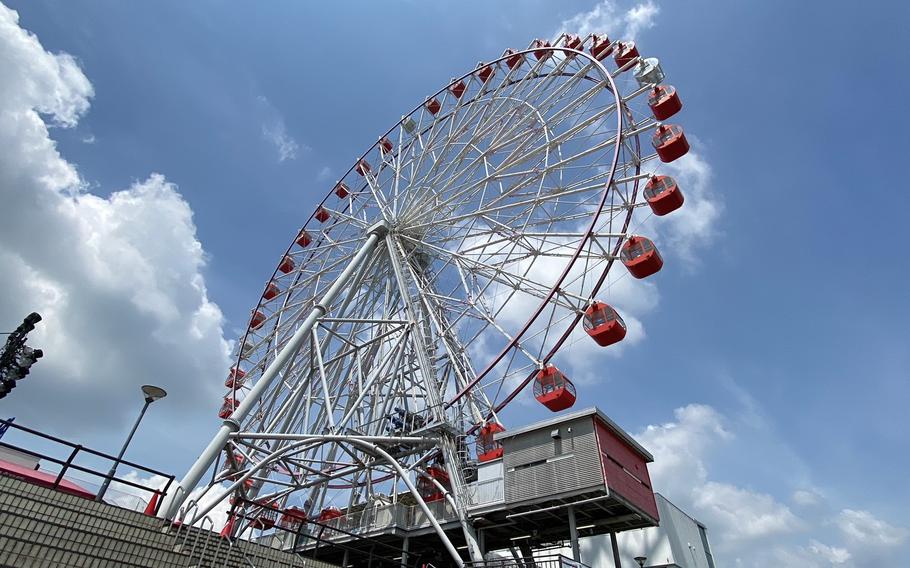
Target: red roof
[44,479]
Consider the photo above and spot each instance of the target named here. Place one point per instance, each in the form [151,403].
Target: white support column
[232,423]
[404,552]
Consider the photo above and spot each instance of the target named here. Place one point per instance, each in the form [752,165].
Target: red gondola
[228,529]
[457,89]
[292,518]
[232,466]
[514,59]
[670,142]
[304,239]
[488,448]
[342,190]
[267,516]
[641,257]
[235,379]
[271,291]
[553,389]
[385,144]
[228,407]
[541,53]
[433,106]
[328,514]
[287,265]
[572,41]
[663,195]
[233,470]
[322,215]
[626,51]
[601,47]
[603,324]
[362,167]
[257,320]
[485,73]
[429,490]
[664,102]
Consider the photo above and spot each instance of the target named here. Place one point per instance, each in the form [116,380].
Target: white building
[679,542]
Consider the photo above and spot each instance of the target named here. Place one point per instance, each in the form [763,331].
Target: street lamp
[641,561]
[151,394]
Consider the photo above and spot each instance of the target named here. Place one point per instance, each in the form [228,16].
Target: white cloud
[325,174]
[693,225]
[831,554]
[741,514]
[754,529]
[51,84]
[640,17]
[607,18]
[127,496]
[600,19]
[276,133]
[807,497]
[862,527]
[682,447]
[118,280]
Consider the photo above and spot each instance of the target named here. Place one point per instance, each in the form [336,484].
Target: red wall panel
[625,470]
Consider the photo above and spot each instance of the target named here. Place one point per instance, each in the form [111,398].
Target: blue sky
[778,350]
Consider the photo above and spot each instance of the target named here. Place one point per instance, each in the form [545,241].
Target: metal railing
[386,517]
[82,471]
[548,561]
[486,492]
[408,517]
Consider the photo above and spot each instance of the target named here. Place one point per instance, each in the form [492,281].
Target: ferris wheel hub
[380,229]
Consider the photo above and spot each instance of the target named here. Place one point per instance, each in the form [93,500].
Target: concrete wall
[40,527]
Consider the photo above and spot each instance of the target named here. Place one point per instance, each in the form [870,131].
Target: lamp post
[151,393]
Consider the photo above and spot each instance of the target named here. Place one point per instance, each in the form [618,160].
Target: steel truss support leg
[446,442]
[363,443]
[516,557]
[232,423]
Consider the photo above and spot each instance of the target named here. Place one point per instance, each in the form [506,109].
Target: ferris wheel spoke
[506,278]
[530,179]
[475,163]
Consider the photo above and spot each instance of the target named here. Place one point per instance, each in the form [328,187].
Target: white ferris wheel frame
[307,324]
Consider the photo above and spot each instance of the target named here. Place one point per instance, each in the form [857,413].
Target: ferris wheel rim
[606,77]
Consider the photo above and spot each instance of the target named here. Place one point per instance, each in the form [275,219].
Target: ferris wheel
[440,277]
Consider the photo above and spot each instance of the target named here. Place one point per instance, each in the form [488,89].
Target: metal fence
[549,561]
[486,492]
[75,469]
[377,519]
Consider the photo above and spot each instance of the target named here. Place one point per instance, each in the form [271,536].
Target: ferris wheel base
[578,474]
